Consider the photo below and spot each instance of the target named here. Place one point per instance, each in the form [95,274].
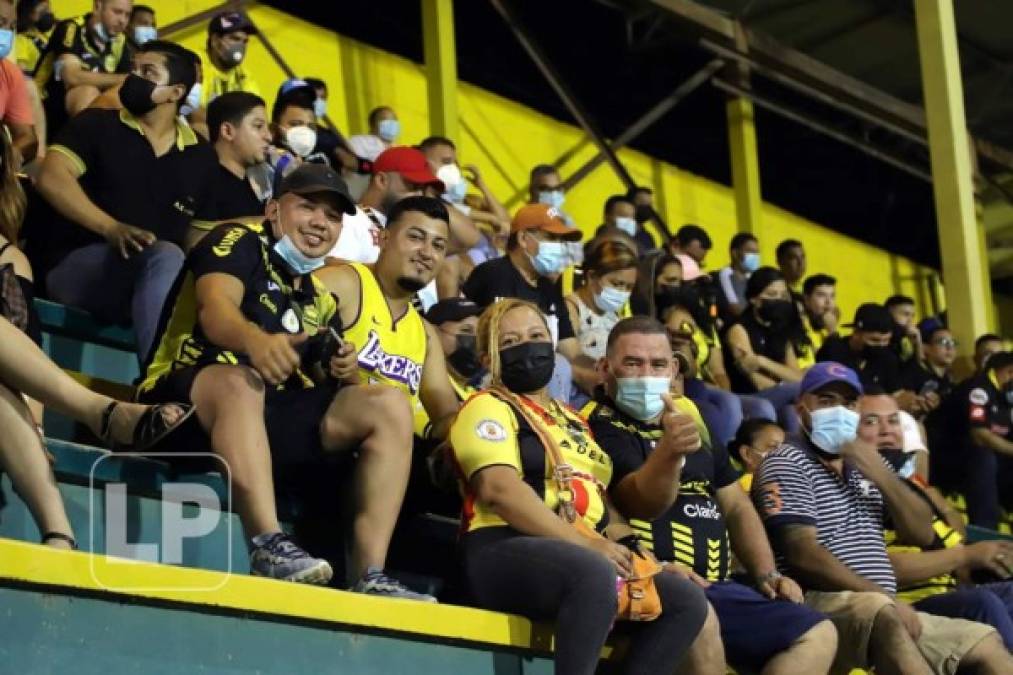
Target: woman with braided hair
[534,484]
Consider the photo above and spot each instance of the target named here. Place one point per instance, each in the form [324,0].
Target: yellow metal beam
[441,66]
[745,165]
[965,270]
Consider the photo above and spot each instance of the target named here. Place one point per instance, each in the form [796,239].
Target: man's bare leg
[812,652]
[988,657]
[230,408]
[706,656]
[377,420]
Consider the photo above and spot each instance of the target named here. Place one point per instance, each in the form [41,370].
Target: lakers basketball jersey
[390,351]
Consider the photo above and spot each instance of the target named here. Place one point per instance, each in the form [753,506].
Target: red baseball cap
[410,163]
[545,218]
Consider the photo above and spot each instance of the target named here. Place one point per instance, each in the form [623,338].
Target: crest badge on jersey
[978,396]
[289,321]
[490,430]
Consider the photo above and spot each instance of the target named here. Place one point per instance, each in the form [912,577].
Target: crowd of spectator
[789,480]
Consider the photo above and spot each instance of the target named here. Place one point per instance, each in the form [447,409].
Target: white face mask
[192,100]
[301,140]
[450,174]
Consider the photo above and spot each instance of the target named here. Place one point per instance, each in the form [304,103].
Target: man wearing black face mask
[456,320]
[867,351]
[979,459]
[133,178]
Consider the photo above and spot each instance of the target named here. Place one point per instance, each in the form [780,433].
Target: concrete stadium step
[423,554]
[89,614]
[78,342]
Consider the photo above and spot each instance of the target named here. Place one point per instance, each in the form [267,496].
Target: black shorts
[292,418]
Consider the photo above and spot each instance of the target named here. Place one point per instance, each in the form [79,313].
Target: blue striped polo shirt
[794,487]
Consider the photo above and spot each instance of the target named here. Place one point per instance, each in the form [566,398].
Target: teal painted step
[58,633]
[83,475]
[75,340]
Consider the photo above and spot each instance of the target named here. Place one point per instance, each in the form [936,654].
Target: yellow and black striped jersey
[692,531]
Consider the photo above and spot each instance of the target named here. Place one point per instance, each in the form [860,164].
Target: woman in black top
[762,344]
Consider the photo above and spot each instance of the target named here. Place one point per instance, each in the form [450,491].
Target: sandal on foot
[61,536]
[151,427]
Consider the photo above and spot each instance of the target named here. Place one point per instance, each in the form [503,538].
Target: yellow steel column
[965,270]
[745,165]
[441,66]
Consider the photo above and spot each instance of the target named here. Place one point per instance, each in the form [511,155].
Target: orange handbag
[638,596]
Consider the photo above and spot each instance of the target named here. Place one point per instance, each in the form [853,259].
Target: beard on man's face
[411,284]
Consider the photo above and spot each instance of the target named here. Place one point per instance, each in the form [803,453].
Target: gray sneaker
[277,557]
[375,582]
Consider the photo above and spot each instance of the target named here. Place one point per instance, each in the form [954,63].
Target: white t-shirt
[359,240]
[367,146]
[912,434]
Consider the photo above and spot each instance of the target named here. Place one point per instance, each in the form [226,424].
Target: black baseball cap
[231,22]
[452,309]
[999,360]
[873,318]
[311,178]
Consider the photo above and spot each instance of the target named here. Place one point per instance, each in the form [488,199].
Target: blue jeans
[987,603]
[98,279]
[727,410]
[783,396]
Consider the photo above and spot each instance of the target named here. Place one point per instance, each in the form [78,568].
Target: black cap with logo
[311,178]
[231,22]
[452,309]
[872,318]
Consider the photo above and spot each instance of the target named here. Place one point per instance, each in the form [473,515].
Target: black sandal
[61,536]
[150,428]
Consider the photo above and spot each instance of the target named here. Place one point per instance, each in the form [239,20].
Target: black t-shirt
[124,178]
[977,403]
[72,36]
[692,531]
[923,380]
[226,198]
[270,301]
[497,279]
[764,341]
[883,371]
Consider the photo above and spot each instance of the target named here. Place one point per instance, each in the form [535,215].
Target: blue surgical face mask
[192,100]
[751,261]
[101,32]
[832,428]
[297,261]
[553,198]
[640,397]
[457,192]
[611,299]
[388,130]
[320,107]
[627,225]
[550,259]
[144,34]
[6,42]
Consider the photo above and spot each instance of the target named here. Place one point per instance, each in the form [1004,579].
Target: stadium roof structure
[836,86]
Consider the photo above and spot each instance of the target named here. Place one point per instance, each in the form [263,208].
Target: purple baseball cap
[825,373]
